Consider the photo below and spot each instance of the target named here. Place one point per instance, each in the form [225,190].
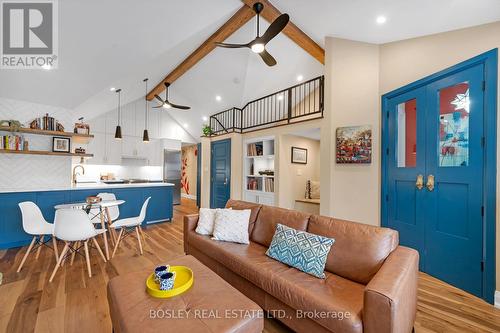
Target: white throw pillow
[232,226]
[206,220]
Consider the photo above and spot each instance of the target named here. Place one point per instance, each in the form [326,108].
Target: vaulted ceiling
[117,43]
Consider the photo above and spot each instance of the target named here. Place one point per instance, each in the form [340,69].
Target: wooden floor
[76,303]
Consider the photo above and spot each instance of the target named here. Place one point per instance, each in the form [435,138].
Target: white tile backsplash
[93,172]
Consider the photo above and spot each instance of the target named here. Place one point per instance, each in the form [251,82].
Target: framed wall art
[354,144]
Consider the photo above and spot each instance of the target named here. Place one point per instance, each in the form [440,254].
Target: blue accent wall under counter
[160,207]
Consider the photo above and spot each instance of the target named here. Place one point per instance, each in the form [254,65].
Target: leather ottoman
[210,305]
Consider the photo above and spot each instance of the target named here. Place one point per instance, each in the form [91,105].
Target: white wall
[26,172]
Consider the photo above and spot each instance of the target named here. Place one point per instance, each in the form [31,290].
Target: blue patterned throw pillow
[300,249]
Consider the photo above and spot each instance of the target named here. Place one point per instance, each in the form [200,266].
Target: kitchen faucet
[76,173]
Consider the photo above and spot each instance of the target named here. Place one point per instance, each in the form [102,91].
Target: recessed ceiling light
[112,89]
[300,78]
[205,118]
[185,125]
[47,67]
[218,98]
[381,19]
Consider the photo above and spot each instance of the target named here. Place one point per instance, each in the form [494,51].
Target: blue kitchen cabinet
[46,201]
[81,195]
[11,227]
[133,201]
[160,205]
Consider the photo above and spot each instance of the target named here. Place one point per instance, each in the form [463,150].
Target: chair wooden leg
[27,253]
[54,245]
[87,258]
[117,242]
[143,235]
[112,231]
[58,264]
[73,255]
[138,239]
[99,249]
[39,247]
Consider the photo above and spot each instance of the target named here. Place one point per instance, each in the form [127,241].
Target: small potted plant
[207,130]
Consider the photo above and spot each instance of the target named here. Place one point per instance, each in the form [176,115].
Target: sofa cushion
[231,225]
[269,217]
[333,295]
[241,205]
[300,249]
[360,249]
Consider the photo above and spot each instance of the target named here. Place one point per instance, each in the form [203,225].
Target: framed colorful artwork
[354,144]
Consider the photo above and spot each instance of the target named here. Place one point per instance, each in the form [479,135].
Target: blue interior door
[220,173]
[454,179]
[406,167]
[435,175]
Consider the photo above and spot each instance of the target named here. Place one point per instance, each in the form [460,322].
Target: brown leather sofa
[370,285]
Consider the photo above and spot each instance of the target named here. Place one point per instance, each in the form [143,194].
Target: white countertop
[84,186]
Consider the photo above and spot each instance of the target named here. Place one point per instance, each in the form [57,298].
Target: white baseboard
[497,299]
[188,196]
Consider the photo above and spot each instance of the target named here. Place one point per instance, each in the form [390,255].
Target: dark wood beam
[270,13]
[242,16]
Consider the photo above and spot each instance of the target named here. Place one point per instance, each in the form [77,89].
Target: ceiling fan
[258,45]
[166,103]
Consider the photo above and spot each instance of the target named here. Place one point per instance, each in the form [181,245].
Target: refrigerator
[172,172]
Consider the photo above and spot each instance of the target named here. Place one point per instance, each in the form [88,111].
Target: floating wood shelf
[41,152]
[77,138]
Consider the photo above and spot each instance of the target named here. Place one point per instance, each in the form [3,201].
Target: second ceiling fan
[258,45]
[166,103]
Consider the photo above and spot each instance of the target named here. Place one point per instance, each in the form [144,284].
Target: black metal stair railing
[301,102]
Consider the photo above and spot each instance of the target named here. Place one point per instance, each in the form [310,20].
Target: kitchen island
[11,229]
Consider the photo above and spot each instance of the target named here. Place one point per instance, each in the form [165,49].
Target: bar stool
[73,226]
[35,224]
[129,223]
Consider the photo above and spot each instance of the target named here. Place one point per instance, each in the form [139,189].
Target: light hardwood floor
[76,303]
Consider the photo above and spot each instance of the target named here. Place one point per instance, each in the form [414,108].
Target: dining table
[103,214]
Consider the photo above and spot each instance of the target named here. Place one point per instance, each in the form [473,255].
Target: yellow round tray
[183,281]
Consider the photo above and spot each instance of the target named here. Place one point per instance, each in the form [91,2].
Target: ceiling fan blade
[275,28]
[232,46]
[159,99]
[157,107]
[182,107]
[268,59]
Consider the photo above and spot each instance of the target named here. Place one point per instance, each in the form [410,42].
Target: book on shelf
[12,142]
[46,123]
[253,184]
[255,149]
[269,184]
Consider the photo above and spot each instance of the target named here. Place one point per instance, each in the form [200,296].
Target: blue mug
[167,281]
[159,271]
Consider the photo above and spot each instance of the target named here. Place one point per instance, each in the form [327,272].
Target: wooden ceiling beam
[270,13]
[242,16]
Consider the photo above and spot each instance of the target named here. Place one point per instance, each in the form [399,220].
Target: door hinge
[483,142]
[482,266]
[484,85]
[482,211]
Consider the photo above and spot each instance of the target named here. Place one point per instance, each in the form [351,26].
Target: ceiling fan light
[167,106]
[258,48]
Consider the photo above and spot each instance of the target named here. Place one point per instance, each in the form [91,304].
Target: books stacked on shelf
[12,142]
[269,184]
[253,184]
[46,123]
[255,149]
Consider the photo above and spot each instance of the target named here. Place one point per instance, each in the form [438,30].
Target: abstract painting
[354,144]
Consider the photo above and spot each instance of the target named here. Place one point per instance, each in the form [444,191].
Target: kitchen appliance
[172,172]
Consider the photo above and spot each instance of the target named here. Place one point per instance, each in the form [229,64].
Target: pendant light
[118,131]
[145,136]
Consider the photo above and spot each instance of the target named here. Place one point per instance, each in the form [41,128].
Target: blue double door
[220,173]
[435,175]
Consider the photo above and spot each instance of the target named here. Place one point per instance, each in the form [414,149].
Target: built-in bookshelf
[259,171]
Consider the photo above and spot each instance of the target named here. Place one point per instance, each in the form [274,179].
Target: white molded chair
[111,213]
[73,226]
[129,223]
[35,224]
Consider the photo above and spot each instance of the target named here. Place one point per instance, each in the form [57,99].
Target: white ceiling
[119,42]
[311,133]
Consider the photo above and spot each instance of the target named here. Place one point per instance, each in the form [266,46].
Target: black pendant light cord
[119,106]
[145,136]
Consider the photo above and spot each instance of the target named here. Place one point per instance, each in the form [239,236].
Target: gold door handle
[419,184]
[430,183]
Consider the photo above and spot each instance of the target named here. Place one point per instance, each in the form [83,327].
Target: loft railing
[301,102]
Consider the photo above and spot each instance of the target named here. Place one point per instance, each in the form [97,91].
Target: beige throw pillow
[206,221]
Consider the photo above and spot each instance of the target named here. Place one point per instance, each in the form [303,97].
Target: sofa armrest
[190,222]
[390,298]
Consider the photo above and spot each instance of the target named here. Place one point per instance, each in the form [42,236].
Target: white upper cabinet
[113,150]
[96,146]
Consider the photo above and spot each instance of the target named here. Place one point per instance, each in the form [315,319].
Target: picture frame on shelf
[299,155]
[61,145]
